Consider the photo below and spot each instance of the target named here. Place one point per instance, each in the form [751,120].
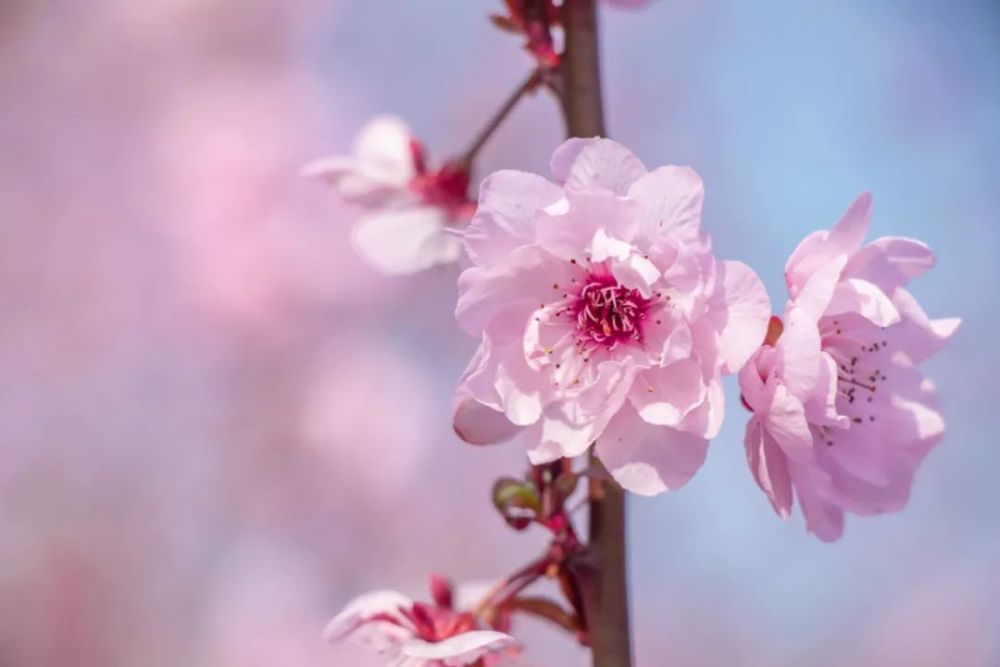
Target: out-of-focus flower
[534,20]
[411,210]
[417,634]
[841,413]
[604,316]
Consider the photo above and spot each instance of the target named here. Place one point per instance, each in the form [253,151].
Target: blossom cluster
[606,321]
[606,325]
[418,634]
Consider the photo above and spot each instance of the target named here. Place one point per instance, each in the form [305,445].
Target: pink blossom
[416,634]
[535,19]
[411,210]
[534,22]
[842,415]
[603,314]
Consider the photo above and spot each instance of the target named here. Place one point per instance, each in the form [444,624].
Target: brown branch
[580,68]
[606,597]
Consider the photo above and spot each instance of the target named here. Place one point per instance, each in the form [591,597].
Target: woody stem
[606,605]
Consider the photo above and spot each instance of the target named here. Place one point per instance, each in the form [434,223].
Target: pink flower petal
[907,425]
[664,396]
[821,249]
[460,650]
[480,424]
[918,336]
[587,164]
[818,287]
[801,358]
[569,231]
[378,173]
[890,262]
[525,277]
[365,610]
[821,407]
[360,184]
[405,241]
[705,420]
[753,389]
[847,235]
[647,459]
[823,519]
[509,202]
[769,467]
[666,338]
[568,428]
[636,272]
[670,201]
[741,310]
[786,423]
[386,144]
[604,247]
[520,388]
[854,295]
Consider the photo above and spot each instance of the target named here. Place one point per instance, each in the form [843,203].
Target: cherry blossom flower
[417,634]
[411,210]
[842,415]
[604,316]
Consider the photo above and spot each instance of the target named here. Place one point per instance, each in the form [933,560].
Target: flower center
[859,356]
[435,624]
[608,313]
[447,188]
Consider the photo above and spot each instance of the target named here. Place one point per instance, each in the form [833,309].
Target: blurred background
[217,424]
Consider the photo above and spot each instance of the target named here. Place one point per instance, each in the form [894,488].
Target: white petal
[505,218]
[361,610]
[670,200]
[646,459]
[596,163]
[664,396]
[860,296]
[636,272]
[460,650]
[742,310]
[406,240]
[385,146]
[480,424]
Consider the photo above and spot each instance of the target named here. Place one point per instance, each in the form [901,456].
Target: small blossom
[842,415]
[604,316]
[417,634]
[534,20]
[411,210]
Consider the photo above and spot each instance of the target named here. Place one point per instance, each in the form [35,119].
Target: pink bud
[441,591]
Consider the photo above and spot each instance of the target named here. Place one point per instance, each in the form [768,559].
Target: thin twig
[498,118]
